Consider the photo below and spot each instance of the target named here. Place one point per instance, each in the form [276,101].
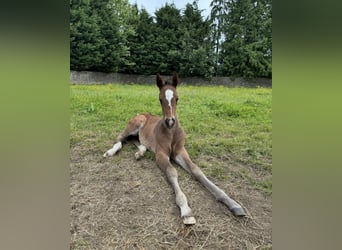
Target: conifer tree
[247,45]
[196,53]
[85,37]
[114,36]
[218,15]
[141,44]
[167,46]
[98,34]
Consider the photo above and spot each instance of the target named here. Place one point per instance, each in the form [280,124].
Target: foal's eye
[176,99]
[160,100]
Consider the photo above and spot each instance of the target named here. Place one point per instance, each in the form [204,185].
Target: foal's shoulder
[180,131]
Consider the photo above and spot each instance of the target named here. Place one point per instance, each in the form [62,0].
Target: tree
[98,34]
[85,37]
[114,36]
[218,15]
[246,50]
[112,15]
[167,48]
[196,56]
[141,44]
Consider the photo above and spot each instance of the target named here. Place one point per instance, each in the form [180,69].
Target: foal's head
[168,99]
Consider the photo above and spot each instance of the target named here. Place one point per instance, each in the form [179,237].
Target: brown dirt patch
[121,203]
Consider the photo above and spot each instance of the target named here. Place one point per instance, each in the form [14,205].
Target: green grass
[80,244]
[225,123]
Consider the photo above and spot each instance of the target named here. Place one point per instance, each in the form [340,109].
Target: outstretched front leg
[182,158]
[171,173]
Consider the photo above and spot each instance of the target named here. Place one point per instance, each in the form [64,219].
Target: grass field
[229,135]
[226,123]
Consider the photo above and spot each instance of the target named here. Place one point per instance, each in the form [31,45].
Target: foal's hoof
[138,156]
[189,220]
[108,153]
[238,212]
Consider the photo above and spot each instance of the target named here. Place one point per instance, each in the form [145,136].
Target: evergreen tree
[127,16]
[111,15]
[141,44]
[246,49]
[167,47]
[98,34]
[218,15]
[266,17]
[85,37]
[114,36]
[196,56]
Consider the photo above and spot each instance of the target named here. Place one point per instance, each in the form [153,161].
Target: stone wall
[88,77]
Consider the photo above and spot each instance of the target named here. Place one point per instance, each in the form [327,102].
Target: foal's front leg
[163,163]
[141,152]
[182,158]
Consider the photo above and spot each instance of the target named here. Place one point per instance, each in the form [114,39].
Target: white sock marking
[181,200]
[142,148]
[141,152]
[116,147]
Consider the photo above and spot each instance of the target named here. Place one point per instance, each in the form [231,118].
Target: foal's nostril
[170,122]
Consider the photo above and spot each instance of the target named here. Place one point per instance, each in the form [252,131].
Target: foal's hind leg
[183,159]
[132,129]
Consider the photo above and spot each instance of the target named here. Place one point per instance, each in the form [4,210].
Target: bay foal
[166,139]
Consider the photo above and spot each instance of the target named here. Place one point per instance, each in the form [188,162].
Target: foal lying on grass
[166,139]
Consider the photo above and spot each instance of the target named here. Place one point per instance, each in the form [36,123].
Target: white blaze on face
[169,96]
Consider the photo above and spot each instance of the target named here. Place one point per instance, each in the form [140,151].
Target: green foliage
[141,45]
[85,36]
[167,37]
[246,50]
[114,36]
[98,34]
[196,56]
[219,11]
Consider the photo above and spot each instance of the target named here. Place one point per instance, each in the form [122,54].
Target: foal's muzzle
[170,122]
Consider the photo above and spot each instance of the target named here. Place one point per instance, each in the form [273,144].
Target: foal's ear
[175,79]
[160,81]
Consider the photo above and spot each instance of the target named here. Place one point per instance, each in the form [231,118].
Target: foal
[166,139]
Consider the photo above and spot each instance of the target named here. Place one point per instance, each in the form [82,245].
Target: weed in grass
[79,244]
[217,171]
[244,174]
[265,186]
[267,247]
[91,108]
